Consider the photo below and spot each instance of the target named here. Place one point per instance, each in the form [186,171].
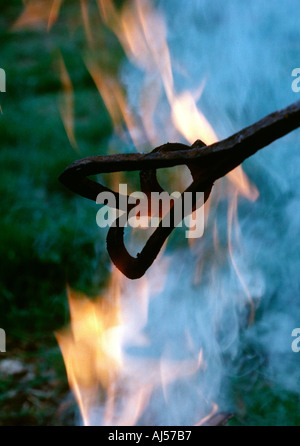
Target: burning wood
[206,163]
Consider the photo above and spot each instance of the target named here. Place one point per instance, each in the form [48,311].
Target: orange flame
[97,365]
[67,103]
[210,415]
[86,22]
[115,101]
[38,14]
[91,349]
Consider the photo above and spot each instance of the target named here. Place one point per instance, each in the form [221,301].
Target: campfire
[148,344]
[112,386]
[94,348]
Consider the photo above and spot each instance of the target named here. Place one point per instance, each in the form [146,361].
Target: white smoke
[245,52]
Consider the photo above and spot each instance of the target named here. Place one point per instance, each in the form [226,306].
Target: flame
[142,33]
[214,410]
[86,22]
[115,101]
[91,348]
[67,103]
[38,14]
[100,372]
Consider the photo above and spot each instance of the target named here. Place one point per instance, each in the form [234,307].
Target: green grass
[48,236]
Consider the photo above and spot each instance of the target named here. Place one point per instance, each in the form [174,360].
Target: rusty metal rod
[214,161]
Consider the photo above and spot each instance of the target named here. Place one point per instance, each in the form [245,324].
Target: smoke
[245,53]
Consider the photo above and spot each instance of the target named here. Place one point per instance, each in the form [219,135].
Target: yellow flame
[91,348]
[99,370]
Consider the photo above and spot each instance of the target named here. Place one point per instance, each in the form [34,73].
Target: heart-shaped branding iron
[135,267]
[206,164]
